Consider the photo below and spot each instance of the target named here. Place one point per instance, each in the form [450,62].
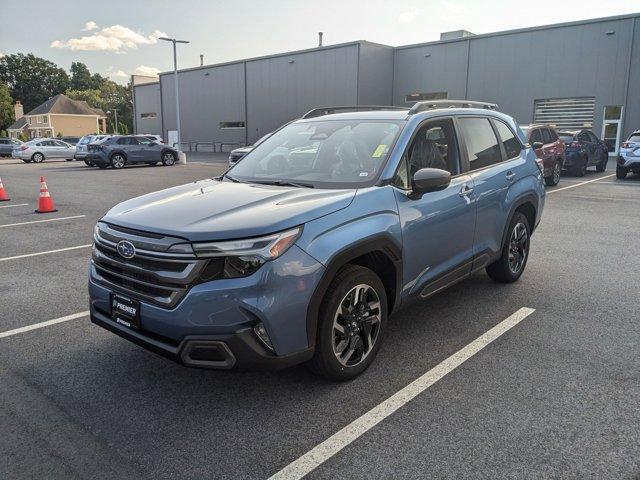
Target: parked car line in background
[549,148]
[7,145]
[582,150]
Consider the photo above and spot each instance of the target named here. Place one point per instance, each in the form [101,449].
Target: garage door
[565,113]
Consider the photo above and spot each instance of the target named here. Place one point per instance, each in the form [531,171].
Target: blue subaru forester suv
[301,251]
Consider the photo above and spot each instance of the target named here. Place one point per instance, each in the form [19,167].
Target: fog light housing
[262,335]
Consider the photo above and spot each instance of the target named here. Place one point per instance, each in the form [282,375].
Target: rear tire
[118,161]
[515,251]
[581,169]
[89,164]
[351,324]
[554,178]
[602,166]
[621,172]
[37,157]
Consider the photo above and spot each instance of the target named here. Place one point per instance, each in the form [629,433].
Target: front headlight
[244,257]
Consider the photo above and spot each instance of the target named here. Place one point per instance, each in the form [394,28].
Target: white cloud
[409,16]
[116,38]
[148,71]
[118,74]
[454,8]
[90,25]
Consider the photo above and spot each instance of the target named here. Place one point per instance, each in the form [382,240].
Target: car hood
[219,210]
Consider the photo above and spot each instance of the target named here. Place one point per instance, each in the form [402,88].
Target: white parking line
[36,326]
[581,183]
[319,454]
[16,205]
[4,259]
[41,221]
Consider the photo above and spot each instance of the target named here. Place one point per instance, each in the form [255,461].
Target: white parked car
[629,157]
[40,149]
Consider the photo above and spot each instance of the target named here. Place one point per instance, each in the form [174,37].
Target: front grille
[155,274]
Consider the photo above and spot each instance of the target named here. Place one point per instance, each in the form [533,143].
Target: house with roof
[58,115]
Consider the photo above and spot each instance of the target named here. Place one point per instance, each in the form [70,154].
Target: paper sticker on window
[381,150]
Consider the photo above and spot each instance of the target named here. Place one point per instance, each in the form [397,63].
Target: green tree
[80,77]
[6,107]
[31,79]
[109,96]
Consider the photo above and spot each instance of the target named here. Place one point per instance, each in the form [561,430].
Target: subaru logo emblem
[126,249]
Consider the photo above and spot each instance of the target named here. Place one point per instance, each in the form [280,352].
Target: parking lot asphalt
[558,395]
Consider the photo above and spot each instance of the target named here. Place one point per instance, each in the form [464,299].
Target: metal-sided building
[576,74]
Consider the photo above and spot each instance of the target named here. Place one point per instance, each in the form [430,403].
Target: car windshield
[84,140]
[327,154]
[566,137]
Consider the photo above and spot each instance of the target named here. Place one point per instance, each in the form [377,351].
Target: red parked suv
[549,148]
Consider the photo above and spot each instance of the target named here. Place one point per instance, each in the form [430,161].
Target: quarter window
[511,144]
[482,143]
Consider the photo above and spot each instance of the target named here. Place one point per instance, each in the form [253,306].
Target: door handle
[465,191]
[510,175]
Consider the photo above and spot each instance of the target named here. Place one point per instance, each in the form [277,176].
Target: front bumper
[215,319]
[238,350]
[80,156]
[629,161]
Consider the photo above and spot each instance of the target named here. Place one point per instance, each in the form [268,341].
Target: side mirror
[428,180]
[537,145]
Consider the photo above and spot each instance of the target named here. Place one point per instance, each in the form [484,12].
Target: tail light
[23,147]
[574,144]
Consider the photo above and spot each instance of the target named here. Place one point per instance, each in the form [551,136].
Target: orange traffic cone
[45,202]
[4,197]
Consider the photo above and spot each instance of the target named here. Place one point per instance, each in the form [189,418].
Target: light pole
[175,84]
[115,112]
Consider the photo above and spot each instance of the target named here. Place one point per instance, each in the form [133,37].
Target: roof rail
[318,112]
[434,104]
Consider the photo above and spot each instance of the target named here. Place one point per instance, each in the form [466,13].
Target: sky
[119,37]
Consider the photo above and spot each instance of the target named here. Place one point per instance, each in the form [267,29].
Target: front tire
[168,158]
[351,324]
[37,157]
[554,178]
[515,251]
[118,161]
[621,172]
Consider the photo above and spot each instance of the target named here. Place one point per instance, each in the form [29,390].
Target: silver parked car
[40,149]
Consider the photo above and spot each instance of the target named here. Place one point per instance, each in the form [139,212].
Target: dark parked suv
[118,151]
[584,149]
[549,149]
[299,253]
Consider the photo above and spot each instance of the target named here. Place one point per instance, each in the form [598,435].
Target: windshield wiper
[284,183]
[233,179]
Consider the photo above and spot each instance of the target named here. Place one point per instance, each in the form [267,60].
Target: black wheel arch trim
[520,201]
[382,243]
[118,152]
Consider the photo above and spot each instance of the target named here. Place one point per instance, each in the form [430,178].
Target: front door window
[612,128]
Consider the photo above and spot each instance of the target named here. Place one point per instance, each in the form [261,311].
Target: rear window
[634,138]
[546,136]
[566,137]
[84,140]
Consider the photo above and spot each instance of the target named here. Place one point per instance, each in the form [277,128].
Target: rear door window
[511,144]
[482,144]
[546,136]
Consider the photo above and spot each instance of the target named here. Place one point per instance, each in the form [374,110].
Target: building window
[43,119]
[231,125]
[419,97]
[148,115]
